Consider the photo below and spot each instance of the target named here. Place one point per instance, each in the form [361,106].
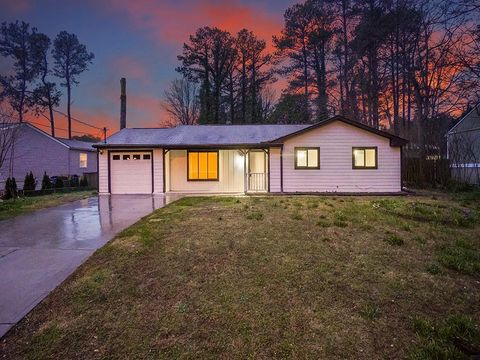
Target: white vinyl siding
[274,169]
[230,174]
[103,172]
[336,141]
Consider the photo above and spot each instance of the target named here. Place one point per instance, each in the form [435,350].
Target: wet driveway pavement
[40,249]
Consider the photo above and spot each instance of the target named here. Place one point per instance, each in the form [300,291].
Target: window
[126,157]
[307,158]
[83,160]
[202,165]
[136,157]
[116,157]
[146,157]
[364,158]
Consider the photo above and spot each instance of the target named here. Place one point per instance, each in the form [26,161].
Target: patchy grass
[272,277]
[12,208]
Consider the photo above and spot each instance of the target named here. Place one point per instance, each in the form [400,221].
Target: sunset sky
[139,40]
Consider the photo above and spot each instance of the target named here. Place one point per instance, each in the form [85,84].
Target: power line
[80,121]
[56,128]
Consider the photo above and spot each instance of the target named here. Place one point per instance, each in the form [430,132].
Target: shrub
[83,181]
[11,191]
[46,182]
[58,183]
[29,184]
[74,181]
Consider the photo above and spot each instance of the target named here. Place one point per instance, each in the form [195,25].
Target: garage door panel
[131,173]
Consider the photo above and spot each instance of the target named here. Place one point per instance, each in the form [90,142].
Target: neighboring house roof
[223,135]
[77,144]
[71,144]
[470,121]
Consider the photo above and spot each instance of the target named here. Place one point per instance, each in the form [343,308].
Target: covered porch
[228,170]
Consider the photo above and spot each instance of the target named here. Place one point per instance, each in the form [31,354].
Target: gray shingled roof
[202,135]
[77,144]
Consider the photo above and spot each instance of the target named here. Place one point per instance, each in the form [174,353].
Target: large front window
[307,158]
[202,165]
[364,157]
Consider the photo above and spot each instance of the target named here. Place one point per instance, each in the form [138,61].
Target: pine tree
[46,182]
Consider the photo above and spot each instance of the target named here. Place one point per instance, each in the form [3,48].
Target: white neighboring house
[463,148]
[35,150]
[336,155]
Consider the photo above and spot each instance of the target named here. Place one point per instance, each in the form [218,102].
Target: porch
[216,170]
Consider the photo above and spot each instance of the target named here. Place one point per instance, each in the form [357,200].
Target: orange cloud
[173,22]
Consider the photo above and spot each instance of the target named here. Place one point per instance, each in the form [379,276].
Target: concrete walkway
[41,249]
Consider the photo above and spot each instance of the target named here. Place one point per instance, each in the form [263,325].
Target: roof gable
[394,140]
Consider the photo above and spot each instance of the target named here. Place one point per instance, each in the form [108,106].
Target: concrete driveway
[39,250]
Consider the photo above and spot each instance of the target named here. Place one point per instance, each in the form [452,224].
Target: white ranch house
[336,155]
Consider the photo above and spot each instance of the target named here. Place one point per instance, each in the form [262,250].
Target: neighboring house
[35,150]
[336,155]
[463,148]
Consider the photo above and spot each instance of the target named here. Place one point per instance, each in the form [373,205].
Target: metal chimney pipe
[123,103]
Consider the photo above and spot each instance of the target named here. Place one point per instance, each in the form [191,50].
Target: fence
[426,173]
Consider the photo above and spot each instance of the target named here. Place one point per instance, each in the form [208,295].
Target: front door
[257,170]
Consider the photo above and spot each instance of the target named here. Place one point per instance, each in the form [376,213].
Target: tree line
[36,62]
[403,65]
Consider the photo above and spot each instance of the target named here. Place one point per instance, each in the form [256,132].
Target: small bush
[11,191]
[46,182]
[29,183]
[58,183]
[340,223]
[394,240]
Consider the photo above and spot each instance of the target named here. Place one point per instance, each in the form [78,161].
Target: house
[335,155]
[463,148]
[35,150]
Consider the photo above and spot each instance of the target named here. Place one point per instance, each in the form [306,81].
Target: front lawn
[13,207]
[272,277]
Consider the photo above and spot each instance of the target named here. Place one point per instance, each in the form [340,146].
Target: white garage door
[131,172]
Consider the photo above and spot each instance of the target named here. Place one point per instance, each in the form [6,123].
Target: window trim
[203,151]
[80,160]
[306,148]
[365,167]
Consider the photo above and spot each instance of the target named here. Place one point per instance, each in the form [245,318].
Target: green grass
[270,277]
[11,208]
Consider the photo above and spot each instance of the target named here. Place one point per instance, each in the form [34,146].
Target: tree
[253,75]
[71,59]
[305,43]
[291,109]
[180,101]
[29,183]
[17,43]
[46,182]
[206,59]
[87,138]
[8,137]
[11,191]
[46,95]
